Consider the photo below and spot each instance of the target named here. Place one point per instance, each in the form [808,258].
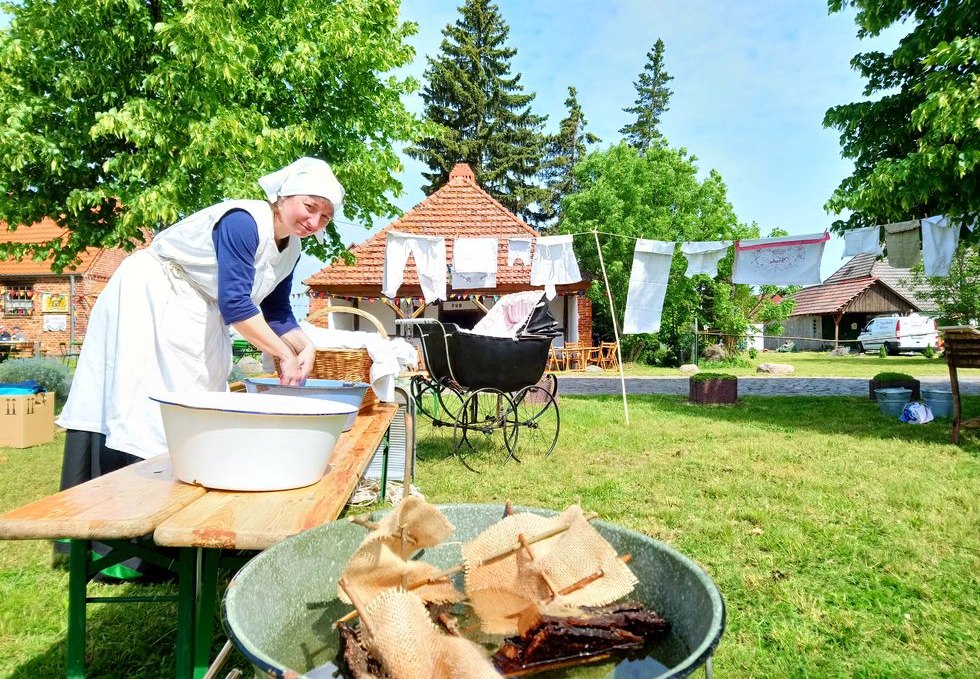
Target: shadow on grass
[137,641]
[850,415]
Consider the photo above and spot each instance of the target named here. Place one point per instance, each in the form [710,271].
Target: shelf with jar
[18,302]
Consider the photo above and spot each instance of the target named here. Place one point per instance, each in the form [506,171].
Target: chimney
[462,170]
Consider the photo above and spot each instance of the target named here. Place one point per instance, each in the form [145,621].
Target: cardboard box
[27,420]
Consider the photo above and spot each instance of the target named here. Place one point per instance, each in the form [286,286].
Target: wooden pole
[612,313]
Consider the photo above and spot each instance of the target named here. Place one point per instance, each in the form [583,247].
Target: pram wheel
[538,424]
[484,427]
[436,407]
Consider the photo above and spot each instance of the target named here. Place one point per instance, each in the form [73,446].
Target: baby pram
[487,383]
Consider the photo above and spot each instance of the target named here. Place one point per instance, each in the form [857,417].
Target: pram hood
[520,315]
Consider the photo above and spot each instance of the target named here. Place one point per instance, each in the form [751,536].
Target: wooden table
[146,498]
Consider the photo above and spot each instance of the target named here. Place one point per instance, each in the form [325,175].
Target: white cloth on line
[474,263]
[864,241]
[647,286]
[784,260]
[518,249]
[430,264]
[939,241]
[903,243]
[703,256]
[554,264]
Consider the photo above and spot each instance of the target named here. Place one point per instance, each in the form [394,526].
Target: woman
[161,324]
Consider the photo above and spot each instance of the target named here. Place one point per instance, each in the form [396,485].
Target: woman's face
[302,215]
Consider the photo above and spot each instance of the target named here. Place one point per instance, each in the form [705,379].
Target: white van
[898,334]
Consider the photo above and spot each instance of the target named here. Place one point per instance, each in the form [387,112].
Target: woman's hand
[306,357]
[292,372]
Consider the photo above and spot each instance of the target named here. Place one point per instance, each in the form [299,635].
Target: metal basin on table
[279,608]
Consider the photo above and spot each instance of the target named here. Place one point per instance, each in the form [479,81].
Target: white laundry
[518,249]
[474,263]
[647,286]
[554,264]
[785,260]
[388,357]
[430,263]
[939,241]
[864,241]
[703,256]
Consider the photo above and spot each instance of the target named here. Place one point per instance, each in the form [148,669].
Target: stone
[775,369]
[250,367]
[689,369]
[593,369]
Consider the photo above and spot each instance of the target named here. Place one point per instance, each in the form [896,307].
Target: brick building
[459,209]
[46,308]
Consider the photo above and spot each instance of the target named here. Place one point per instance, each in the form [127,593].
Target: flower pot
[912,385]
[713,391]
[892,401]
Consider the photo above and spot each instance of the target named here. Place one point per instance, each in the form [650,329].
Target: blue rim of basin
[694,660]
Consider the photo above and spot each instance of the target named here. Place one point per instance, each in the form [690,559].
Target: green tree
[958,294]
[916,145]
[652,101]
[563,152]
[480,113]
[657,195]
[121,114]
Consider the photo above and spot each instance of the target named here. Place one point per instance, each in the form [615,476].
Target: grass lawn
[814,364]
[845,544]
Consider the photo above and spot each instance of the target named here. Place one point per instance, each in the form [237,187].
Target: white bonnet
[304,177]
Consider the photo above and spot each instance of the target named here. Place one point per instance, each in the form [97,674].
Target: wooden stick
[612,313]
[358,604]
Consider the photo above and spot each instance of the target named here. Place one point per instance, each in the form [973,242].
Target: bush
[892,377]
[929,352]
[753,352]
[715,352]
[882,352]
[702,377]
[50,373]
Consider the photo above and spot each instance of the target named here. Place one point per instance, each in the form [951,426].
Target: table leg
[207,596]
[186,599]
[77,584]
[384,463]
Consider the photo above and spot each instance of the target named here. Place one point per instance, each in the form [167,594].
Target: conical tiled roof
[457,210]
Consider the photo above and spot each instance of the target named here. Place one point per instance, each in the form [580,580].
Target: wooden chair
[609,355]
[69,353]
[593,356]
[556,360]
[574,353]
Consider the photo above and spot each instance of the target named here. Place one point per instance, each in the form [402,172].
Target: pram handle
[417,321]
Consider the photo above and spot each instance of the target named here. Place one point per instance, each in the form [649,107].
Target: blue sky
[752,81]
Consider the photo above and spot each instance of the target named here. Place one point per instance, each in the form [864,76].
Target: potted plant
[710,387]
[889,380]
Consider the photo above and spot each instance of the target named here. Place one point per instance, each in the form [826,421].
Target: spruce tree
[481,114]
[563,152]
[652,101]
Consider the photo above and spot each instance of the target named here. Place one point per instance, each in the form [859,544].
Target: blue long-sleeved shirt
[236,240]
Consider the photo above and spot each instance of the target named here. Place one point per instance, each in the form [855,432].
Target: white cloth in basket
[388,356]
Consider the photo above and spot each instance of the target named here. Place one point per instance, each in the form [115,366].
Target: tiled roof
[829,297]
[39,232]
[458,209]
[862,266]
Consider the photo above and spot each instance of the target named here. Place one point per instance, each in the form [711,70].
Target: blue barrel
[939,400]
[892,401]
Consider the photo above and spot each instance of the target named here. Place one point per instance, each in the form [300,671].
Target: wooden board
[257,520]
[125,504]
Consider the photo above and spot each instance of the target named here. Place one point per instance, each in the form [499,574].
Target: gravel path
[585,384]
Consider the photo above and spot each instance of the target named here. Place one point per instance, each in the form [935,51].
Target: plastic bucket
[892,401]
[351,393]
[939,400]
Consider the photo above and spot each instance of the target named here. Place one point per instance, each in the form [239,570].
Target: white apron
[156,328]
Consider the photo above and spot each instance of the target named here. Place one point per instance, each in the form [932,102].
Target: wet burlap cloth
[382,561]
[397,631]
[579,560]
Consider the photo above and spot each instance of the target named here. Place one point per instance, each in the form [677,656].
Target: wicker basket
[350,365]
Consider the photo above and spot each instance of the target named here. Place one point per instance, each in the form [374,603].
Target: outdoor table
[15,348]
[146,498]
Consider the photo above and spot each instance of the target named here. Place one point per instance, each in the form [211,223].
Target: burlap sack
[374,567]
